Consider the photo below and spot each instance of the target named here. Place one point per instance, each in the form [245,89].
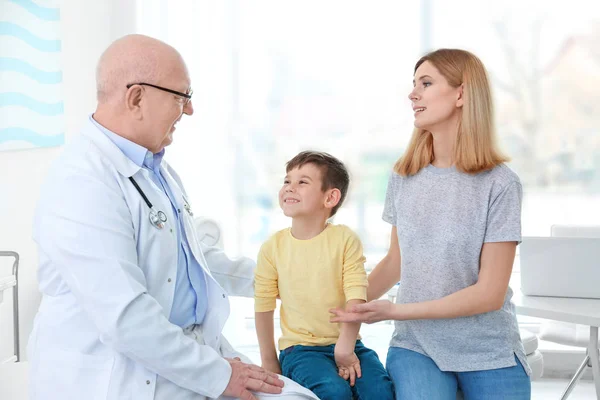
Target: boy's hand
[348,365]
[272,365]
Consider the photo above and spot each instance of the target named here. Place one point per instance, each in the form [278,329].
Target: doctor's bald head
[143,89]
[134,58]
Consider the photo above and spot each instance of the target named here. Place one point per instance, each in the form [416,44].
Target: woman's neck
[444,141]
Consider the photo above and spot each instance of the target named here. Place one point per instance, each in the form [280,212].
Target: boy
[314,266]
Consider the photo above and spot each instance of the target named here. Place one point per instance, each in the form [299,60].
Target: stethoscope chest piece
[157,218]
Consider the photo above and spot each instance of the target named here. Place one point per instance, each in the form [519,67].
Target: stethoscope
[158,218]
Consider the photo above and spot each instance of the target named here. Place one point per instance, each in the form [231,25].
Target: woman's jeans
[314,368]
[416,376]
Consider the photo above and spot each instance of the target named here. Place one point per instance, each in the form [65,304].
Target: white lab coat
[108,277]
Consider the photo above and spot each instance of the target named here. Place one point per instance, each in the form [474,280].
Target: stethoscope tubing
[141,192]
[157,218]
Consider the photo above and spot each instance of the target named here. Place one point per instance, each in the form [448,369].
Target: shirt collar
[133,151]
[152,161]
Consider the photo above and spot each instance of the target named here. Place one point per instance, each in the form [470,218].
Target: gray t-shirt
[443,218]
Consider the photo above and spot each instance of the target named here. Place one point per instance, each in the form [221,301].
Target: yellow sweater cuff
[264,304]
[356,293]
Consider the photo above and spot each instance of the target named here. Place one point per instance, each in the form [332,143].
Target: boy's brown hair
[333,172]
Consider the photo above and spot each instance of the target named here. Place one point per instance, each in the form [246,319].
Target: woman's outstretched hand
[374,311]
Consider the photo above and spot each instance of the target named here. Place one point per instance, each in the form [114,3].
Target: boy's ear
[333,198]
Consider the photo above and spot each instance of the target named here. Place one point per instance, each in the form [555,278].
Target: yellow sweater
[310,276]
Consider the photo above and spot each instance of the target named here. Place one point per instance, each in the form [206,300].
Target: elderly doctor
[133,306]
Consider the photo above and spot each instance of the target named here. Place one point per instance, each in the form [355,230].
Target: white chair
[534,357]
[563,332]
[209,232]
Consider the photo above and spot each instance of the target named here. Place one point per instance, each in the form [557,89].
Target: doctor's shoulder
[81,160]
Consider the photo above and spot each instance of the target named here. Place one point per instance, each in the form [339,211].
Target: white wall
[87,28]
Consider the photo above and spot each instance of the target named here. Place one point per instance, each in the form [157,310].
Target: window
[275,77]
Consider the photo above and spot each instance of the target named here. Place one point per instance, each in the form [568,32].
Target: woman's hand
[374,311]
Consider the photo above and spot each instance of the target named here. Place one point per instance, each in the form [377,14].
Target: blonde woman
[455,210]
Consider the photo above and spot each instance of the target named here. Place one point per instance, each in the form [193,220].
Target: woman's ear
[460,96]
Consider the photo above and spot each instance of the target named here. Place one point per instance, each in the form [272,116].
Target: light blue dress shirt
[190,299]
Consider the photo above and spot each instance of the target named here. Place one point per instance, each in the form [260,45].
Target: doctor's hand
[374,311]
[249,377]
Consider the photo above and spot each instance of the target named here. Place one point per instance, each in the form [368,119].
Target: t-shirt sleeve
[354,275]
[389,208]
[266,287]
[504,215]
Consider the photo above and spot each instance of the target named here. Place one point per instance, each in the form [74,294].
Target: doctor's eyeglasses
[187,97]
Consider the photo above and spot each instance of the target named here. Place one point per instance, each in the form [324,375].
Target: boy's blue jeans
[314,368]
[416,377]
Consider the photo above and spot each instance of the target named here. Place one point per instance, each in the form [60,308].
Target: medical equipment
[157,218]
[209,232]
[12,281]
[560,267]
[187,207]
[567,333]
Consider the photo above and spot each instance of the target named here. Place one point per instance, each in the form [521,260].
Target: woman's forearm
[466,302]
[486,295]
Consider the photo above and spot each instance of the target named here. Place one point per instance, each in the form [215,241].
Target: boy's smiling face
[301,194]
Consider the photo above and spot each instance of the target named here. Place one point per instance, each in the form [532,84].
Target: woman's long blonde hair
[475,149]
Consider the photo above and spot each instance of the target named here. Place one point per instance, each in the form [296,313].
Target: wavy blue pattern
[27,135]
[26,96]
[20,99]
[16,65]
[10,29]
[45,13]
